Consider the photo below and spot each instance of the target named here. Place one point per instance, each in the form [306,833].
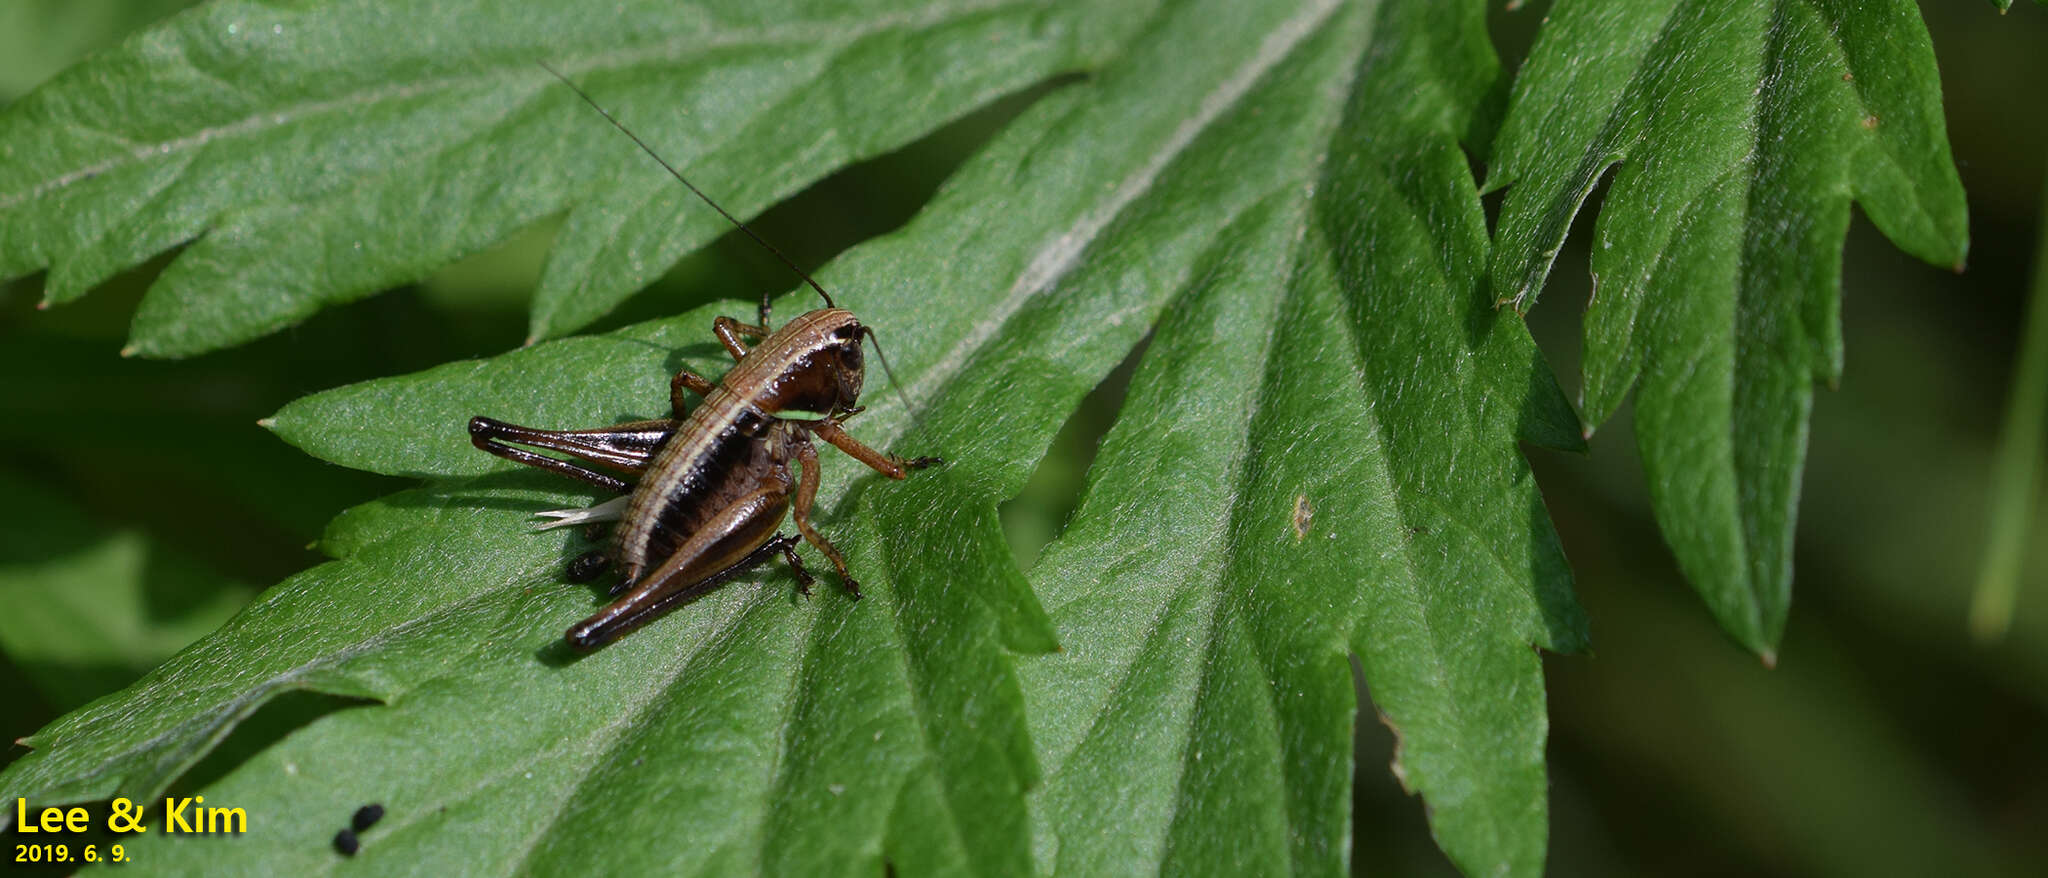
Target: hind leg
[626,448]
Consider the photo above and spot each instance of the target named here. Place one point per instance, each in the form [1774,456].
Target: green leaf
[316,160]
[1742,132]
[88,611]
[40,37]
[1318,458]
[1302,476]
[2016,465]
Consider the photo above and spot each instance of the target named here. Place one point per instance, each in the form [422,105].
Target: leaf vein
[671,49]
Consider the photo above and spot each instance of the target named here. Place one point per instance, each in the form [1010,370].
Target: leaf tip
[1769,658]
[132,350]
[269,423]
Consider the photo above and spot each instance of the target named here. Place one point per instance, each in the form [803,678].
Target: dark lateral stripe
[714,438]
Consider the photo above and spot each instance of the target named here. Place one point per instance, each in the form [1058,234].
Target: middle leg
[729,331]
[806,495]
[690,381]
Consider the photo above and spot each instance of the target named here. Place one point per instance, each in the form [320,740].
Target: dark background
[1886,741]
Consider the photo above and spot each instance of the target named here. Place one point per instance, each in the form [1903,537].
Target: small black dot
[366,817]
[345,842]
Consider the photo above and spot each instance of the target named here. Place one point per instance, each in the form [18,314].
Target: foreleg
[887,464]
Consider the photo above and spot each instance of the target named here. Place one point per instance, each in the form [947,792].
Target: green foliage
[1742,131]
[323,161]
[88,612]
[2016,472]
[1317,458]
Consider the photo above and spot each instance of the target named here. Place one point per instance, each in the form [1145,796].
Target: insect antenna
[608,117]
[902,397]
[867,331]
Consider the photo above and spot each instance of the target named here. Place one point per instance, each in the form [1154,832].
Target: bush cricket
[712,484]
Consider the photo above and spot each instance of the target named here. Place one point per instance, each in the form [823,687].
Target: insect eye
[850,330]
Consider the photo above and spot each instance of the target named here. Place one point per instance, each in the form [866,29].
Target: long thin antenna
[901,396]
[699,192]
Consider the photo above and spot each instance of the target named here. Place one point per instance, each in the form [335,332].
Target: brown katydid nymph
[714,483]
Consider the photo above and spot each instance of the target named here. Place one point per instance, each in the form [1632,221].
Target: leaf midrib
[673,49]
[1062,253]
